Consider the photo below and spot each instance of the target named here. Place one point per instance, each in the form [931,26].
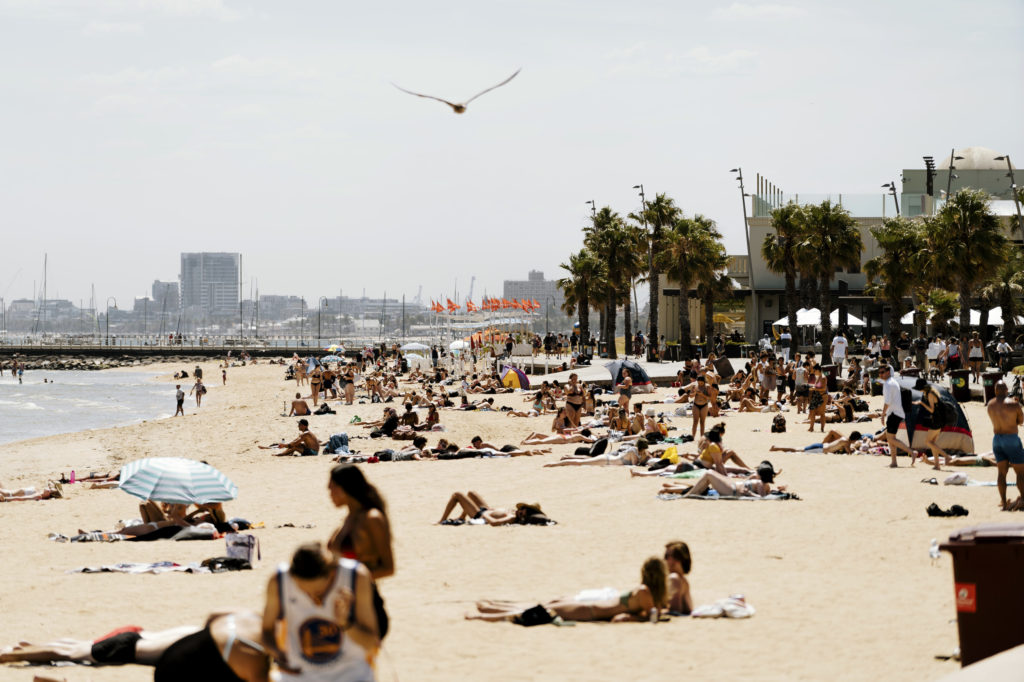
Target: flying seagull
[460,108]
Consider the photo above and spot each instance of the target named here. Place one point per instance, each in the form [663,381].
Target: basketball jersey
[315,642]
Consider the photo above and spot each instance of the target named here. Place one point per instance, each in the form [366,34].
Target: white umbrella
[804,318]
[995,317]
[176,480]
[851,320]
[415,346]
[458,345]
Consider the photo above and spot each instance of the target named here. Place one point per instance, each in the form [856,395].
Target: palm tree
[689,257]
[1005,287]
[971,245]
[830,241]
[614,244]
[719,286]
[658,214]
[779,252]
[586,273]
[942,305]
[889,278]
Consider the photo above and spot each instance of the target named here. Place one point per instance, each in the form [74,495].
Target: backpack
[779,424]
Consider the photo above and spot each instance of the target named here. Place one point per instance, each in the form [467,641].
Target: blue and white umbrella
[176,480]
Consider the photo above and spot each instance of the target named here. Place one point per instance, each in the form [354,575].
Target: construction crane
[472,281]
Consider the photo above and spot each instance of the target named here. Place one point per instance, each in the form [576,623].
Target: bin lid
[990,532]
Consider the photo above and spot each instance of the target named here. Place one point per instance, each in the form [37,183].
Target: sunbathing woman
[713,455]
[54,491]
[677,558]
[624,456]
[755,485]
[543,439]
[227,649]
[474,507]
[832,442]
[535,410]
[642,603]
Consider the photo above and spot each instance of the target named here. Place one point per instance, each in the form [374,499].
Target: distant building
[166,295]
[536,288]
[209,282]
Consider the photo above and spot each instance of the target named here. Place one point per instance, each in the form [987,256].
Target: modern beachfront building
[535,288]
[763,291]
[209,283]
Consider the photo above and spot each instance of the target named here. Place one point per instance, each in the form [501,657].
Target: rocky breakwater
[70,362]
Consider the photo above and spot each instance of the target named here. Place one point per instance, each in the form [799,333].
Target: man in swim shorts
[1006,416]
[306,445]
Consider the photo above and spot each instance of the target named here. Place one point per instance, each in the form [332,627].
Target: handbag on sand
[242,546]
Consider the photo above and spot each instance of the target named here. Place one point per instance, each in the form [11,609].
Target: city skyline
[278,135]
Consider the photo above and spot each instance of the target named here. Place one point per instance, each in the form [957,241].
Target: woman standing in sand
[349,379]
[625,389]
[365,534]
[818,393]
[199,390]
[574,400]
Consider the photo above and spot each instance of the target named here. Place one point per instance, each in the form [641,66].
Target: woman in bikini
[316,380]
[474,507]
[624,456]
[701,403]
[641,603]
[928,402]
[365,534]
[678,561]
[574,400]
[755,485]
[348,379]
[818,387]
[625,390]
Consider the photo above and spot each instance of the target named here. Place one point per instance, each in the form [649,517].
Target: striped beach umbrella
[176,480]
[513,377]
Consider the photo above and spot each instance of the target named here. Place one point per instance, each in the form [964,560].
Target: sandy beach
[841,580]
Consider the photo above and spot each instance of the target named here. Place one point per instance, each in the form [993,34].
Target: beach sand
[841,580]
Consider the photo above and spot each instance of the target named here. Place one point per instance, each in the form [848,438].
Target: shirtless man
[300,408]
[1006,416]
[306,445]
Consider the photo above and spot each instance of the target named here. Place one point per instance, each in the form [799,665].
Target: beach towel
[94,536]
[155,567]
[730,607]
[775,496]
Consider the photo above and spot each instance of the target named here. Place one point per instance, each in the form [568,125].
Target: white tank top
[316,643]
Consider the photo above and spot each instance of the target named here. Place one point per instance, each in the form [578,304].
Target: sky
[133,130]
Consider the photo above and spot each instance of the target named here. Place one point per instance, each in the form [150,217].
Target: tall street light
[302,320]
[652,320]
[892,190]
[547,309]
[593,208]
[322,303]
[750,254]
[109,299]
[1013,190]
[949,180]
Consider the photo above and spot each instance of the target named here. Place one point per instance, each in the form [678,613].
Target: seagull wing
[494,86]
[410,92]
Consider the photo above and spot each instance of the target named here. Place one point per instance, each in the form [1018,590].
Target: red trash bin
[988,564]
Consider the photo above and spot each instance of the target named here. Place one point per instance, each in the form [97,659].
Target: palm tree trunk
[965,308]
[627,310]
[825,306]
[685,347]
[983,322]
[652,322]
[602,324]
[609,318]
[709,321]
[583,307]
[791,303]
[1009,323]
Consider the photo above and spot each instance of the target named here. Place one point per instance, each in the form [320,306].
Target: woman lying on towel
[543,439]
[474,507]
[756,485]
[640,603]
[624,456]
[227,649]
[832,442]
[54,491]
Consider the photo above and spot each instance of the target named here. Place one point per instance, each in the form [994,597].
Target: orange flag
[470,307]
[452,306]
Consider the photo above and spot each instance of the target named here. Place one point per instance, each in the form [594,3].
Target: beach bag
[242,546]
[779,424]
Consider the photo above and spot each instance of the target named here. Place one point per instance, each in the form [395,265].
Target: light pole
[3,313]
[547,309]
[302,321]
[652,320]
[892,190]
[593,208]
[1013,190]
[750,255]
[949,180]
[321,304]
[109,299]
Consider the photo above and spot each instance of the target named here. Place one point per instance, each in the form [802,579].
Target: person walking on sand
[838,349]
[199,390]
[892,413]
[1006,416]
[180,397]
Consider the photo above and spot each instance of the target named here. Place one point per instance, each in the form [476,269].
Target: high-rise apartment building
[209,282]
[535,288]
[166,295]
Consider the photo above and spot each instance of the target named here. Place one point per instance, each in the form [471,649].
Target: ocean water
[79,400]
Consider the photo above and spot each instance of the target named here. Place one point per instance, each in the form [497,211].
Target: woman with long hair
[365,535]
[929,402]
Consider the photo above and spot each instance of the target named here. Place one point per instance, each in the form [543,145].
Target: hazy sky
[133,130]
